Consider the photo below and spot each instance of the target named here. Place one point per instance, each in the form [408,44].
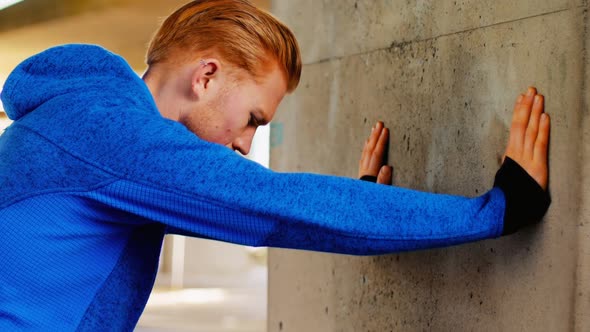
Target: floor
[205,309]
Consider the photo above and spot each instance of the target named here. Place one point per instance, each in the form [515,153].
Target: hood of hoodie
[62,70]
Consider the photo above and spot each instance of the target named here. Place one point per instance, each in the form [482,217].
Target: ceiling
[122,26]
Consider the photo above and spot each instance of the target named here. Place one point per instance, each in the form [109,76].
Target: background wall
[443,75]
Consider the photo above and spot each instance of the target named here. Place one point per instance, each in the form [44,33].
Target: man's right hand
[529,136]
[524,172]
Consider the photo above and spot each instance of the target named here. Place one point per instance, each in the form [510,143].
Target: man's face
[232,111]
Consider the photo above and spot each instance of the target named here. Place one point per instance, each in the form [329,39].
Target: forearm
[323,213]
[355,217]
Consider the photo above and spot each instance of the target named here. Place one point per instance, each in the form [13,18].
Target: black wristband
[526,201]
[369,178]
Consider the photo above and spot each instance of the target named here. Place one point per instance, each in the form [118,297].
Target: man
[99,165]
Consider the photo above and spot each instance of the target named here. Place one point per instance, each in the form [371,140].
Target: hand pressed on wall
[372,165]
[529,136]
[523,176]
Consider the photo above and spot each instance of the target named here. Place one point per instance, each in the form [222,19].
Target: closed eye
[253,121]
[260,120]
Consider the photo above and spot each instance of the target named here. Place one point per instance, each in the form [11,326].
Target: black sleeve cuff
[526,201]
[369,178]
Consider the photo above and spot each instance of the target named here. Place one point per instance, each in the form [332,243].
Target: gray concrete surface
[333,28]
[443,75]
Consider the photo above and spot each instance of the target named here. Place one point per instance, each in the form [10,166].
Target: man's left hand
[372,160]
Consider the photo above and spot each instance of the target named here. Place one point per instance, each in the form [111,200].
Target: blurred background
[201,285]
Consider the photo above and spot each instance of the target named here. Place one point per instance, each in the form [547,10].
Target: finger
[524,111]
[529,96]
[513,139]
[370,146]
[374,136]
[520,121]
[542,142]
[365,161]
[364,154]
[377,155]
[533,127]
[385,175]
[366,151]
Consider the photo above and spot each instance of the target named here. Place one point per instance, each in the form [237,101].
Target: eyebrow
[260,119]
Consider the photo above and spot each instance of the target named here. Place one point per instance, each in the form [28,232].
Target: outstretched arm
[521,180]
[168,175]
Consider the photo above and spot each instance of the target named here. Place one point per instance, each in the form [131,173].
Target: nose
[243,143]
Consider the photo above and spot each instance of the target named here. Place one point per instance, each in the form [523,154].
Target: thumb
[385,175]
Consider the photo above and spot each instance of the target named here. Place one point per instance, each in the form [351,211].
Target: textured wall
[443,75]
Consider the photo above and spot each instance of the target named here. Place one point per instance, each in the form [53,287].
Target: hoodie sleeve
[167,174]
[257,207]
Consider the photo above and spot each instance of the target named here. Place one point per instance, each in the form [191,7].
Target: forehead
[275,88]
[275,82]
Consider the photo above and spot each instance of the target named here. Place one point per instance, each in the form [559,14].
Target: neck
[162,90]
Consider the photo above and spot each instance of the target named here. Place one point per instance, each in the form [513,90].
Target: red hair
[242,34]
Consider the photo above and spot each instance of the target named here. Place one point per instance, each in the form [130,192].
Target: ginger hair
[240,33]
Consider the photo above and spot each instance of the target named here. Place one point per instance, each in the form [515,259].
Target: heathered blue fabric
[92,177]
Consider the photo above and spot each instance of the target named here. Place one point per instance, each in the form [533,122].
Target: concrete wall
[443,75]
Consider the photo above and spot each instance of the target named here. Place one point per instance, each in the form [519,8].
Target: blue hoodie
[92,177]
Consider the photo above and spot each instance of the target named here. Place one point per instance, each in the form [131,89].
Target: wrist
[369,178]
[526,201]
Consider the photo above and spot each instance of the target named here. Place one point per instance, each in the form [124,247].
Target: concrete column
[582,295]
[443,75]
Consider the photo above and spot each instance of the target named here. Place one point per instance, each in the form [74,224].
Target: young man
[99,165]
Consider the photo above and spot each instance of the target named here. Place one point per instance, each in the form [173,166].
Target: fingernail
[531,91]
[519,99]
[537,99]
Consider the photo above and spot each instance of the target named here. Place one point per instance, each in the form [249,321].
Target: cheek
[231,121]
[235,114]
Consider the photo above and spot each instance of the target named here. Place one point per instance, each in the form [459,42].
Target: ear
[204,77]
